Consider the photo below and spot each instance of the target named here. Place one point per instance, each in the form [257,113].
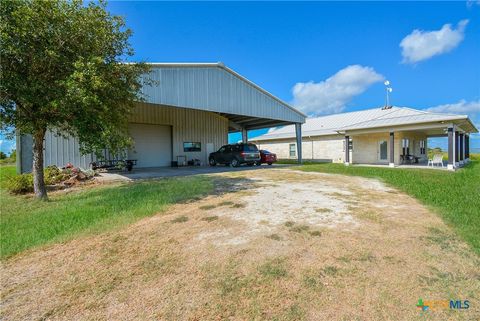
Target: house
[187,114]
[386,135]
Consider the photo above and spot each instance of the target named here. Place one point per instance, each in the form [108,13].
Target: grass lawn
[26,222]
[454,195]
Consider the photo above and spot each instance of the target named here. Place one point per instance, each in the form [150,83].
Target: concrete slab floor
[159,172]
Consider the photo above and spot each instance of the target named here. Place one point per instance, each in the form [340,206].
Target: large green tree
[62,68]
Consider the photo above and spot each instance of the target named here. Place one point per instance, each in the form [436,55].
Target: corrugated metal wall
[60,150]
[213,89]
[188,125]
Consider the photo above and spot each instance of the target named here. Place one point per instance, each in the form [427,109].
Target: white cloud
[470,3]
[421,45]
[331,95]
[462,107]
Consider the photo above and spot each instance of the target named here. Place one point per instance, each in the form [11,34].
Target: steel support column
[461,150]
[457,147]
[347,150]
[467,147]
[244,135]
[298,132]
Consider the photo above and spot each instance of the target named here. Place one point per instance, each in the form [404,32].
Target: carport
[215,88]
[187,113]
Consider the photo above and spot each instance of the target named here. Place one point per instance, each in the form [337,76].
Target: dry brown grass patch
[210,218]
[196,271]
[207,207]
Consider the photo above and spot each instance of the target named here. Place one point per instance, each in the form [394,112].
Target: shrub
[20,184]
[54,175]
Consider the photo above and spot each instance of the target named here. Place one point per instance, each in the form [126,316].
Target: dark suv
[235,155]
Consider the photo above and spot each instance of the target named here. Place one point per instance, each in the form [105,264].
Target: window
[405,146]
[250,148]
[292,150]
[422,147]
[192,146]
[383,146]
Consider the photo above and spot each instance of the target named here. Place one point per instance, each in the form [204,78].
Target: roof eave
[460,117]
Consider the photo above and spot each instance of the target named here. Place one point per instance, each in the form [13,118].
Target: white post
[392,150]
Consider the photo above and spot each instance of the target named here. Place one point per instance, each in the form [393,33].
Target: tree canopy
[62,67]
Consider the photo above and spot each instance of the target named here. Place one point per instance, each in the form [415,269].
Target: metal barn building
[188,112]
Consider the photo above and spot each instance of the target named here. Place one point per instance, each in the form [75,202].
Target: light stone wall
[331,148]
[366,148]
[321,148]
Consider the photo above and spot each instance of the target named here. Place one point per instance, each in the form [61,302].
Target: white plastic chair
[437,159]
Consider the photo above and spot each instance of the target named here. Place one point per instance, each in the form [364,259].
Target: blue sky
[309,47]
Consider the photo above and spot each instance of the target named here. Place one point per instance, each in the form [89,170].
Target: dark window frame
[294,151]
[194,147]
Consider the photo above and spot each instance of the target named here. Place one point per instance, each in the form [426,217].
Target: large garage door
[152,145]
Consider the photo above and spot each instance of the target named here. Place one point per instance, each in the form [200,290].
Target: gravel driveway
[270,245]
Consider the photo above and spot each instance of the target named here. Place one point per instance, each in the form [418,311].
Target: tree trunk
[38,181]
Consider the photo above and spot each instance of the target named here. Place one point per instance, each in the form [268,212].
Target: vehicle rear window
[250,148]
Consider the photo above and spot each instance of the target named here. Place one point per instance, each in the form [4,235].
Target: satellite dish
[389,89]
[387,82]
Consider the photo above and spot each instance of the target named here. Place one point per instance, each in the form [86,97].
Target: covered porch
[406,146]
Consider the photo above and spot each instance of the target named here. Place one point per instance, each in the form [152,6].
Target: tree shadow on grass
[26,224]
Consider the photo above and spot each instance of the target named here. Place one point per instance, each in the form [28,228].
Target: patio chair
[436,159]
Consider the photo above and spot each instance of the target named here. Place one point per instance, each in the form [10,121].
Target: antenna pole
[388,102]
[388,90]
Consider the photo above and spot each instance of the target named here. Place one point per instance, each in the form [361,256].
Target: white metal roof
[364,119]
[215,87]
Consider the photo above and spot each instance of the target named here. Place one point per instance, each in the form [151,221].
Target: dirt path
[276,245]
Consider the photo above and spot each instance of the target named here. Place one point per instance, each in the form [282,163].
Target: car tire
[270,164]
[212,162]
[235,163]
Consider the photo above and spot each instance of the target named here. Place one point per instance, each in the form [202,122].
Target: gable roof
[364,119]
[216,88]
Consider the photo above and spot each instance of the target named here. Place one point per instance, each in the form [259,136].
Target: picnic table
[114,163]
